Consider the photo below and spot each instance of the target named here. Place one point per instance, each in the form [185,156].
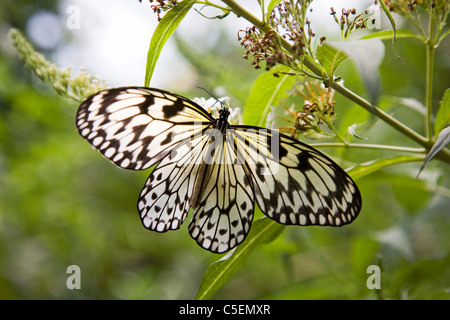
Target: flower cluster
[289,23]
[317,109]
[212,105]
[401,6]
[351,21]
[76,88]
[289,19]
[263,47]
[158,6]
[404,7]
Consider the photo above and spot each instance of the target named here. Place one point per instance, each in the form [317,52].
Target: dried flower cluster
[288,20]
[351,21]
[401,6]
[404,7]
[159,6]
[318,108]
[263,47]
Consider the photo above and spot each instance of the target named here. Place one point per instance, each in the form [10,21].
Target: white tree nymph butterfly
[217,169]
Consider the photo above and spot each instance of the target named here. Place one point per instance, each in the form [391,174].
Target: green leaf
[443,37]
[363,254]
[389,34]
[365,169]
[394,28]
[267,91]
[410,277]
[411,193]
[443,115]
[163,31]
[442,140]
[263,231]
[270,7]
[330,57]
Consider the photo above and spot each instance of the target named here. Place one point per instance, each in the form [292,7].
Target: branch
[369,146]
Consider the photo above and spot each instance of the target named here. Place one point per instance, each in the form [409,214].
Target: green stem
[330,125]
[429,80]
[368,146]
[416,21]
[208,3]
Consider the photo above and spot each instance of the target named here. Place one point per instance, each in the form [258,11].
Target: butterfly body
[217,169]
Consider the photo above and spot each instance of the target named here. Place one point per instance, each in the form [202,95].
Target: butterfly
[217,169]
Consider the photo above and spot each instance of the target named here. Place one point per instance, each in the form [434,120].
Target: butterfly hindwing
[297,184]
[224,213]
[166,197]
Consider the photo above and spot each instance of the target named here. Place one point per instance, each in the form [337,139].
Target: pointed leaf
[330,57]
[365,169]
[163,31]
[271,6]
[394,28]
[443,115]
[352,131]
[389,35]
[442,140]
[266,92]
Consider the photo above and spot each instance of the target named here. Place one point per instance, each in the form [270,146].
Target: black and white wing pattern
[137,127]
[224,210]
[296,184]
[214,168]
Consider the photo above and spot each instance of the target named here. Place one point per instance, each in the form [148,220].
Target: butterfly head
[222,122]
[224,113]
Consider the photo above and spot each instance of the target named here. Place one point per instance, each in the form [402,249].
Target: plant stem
[208,3]
[429,80]
[369,146]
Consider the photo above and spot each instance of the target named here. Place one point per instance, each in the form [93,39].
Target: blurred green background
[62,204]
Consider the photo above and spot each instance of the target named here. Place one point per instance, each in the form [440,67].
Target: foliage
[76,88]
[73,213]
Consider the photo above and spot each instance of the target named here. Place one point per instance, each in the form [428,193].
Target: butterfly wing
[292,183]
[165,200]
[136,127]
[224,213]
[224,210]
[296,184]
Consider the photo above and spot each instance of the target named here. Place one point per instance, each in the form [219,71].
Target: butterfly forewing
[137,127]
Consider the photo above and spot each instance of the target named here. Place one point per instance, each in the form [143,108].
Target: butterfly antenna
[213,96]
